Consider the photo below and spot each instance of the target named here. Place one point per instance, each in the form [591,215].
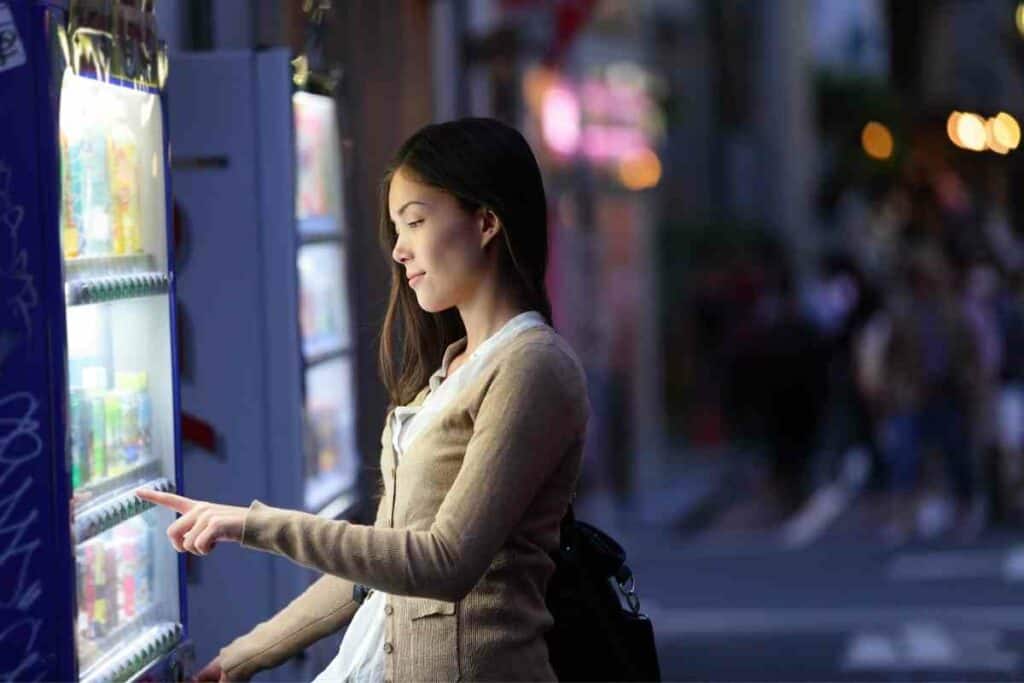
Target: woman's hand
[211,672]
[201,525]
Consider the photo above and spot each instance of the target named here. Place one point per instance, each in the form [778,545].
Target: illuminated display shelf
[136,654]
[107,514]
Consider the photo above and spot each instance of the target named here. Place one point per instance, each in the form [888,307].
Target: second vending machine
[267,348]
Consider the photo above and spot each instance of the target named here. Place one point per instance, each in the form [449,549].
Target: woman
[480,452]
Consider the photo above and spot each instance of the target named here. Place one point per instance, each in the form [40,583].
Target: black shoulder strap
[565,529]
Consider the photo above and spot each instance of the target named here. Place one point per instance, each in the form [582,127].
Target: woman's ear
[490,226]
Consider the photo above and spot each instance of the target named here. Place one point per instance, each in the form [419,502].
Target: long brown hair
[484,164]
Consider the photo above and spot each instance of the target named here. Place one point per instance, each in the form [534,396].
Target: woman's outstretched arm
[534,409]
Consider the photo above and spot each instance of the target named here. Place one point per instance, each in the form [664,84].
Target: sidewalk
[684,495]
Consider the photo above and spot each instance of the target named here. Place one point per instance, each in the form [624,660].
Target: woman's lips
[415,278]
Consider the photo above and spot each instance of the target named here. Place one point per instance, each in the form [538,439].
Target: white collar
[511,328]
[410,420]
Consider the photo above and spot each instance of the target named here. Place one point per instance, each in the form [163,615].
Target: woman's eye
[413,224]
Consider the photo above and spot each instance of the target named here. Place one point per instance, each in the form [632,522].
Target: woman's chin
[430,306]
[433,301]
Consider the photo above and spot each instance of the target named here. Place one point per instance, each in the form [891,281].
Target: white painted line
[1013,565]
[946,565]
[817,515]
[829,502]
[871,651]
[684,621]
[929,646]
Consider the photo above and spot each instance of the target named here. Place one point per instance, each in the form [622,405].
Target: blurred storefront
[581,80]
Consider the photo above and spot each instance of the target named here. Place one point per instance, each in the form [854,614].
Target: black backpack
[594,638]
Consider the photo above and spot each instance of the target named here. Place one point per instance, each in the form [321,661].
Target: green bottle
[113,422]
[95,380]
[78,426]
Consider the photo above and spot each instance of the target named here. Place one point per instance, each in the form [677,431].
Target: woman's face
[440,245]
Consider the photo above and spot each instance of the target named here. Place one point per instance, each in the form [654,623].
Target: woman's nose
[400,253]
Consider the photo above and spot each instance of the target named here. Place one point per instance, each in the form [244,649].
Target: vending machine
[267,348]
[90,589]
[329,407]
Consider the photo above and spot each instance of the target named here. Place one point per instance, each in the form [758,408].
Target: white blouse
[360,657]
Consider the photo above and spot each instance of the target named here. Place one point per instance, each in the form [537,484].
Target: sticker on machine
[12,54]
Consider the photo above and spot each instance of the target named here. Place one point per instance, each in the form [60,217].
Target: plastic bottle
[113,421]
[78,424]
[99,624]
[131,437]
[126,548]
[95,380]
[145,412]
[110,560]
[90,188]
[122,153]
[69,238]
[144,561]
[86,590]
[145,585]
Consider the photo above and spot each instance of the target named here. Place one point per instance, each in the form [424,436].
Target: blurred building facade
[679,140]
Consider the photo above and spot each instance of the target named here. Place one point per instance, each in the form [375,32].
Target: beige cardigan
[462,534]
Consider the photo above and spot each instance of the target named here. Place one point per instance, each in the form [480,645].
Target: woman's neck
[483,318]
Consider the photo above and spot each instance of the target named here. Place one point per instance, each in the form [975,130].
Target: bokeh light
[994,136]
[1006,130]
[951,128]
[877,140]
[640,170]
[560,120]
[970,131]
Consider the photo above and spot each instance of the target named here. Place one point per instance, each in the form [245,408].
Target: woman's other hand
[201,525]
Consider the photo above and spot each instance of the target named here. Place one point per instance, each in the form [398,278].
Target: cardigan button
[388,648]
[389,610]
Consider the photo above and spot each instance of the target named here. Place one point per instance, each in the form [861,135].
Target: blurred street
[732,601]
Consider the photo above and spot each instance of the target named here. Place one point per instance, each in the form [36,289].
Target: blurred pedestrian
[925,392]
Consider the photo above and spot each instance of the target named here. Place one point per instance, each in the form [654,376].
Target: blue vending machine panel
[87,364]
[35,587]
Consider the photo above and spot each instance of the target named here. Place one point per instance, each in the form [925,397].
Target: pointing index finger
[168,500]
